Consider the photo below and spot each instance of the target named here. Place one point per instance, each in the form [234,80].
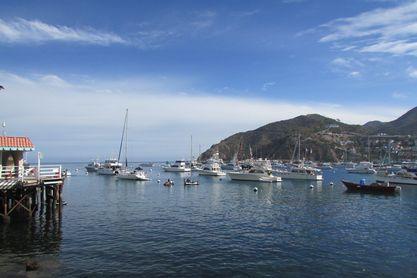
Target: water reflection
[39,239]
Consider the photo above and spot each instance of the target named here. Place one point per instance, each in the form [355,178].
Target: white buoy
[255,189]
[331,183]
[158,181]
[311,186]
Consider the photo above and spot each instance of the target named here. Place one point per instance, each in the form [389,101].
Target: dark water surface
[219,228]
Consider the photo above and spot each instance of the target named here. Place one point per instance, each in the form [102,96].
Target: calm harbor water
[219,228]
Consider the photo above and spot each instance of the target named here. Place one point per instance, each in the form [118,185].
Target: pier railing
[21,173]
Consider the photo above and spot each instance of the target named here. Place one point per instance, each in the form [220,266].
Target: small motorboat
[377,187]
[189,181]
[169,183]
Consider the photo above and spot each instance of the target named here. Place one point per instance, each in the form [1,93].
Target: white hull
[360,171]
[300,176]
[397,180]
[91,169]
[253,177]
[211,173]
[106,172]
[137,177]
[178,170]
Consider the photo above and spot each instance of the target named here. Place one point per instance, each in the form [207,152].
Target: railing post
[39,166]
[60,171]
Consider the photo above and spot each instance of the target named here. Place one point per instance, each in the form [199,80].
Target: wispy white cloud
[268,85]
[346,63]
[349,67]
[412,72]
[390,30]
[26,31]
[85,115]
[355,74]
[399,95]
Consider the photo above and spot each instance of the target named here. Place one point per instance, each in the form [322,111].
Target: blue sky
[206,68]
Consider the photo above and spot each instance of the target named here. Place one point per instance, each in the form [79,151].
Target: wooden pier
[21,198]
[26,189]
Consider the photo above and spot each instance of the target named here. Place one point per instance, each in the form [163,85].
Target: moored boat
[110,167]
[363,167]
[260,171]
[178,166]
[211,168]
[402,177]
[189,181]
[92,167]
[377,187]
[301,172]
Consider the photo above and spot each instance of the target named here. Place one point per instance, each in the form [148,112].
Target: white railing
[11,172]
[22,173]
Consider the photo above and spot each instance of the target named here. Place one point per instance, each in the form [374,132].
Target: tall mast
[191,150]
[299,147]
[126,137]
[121,141]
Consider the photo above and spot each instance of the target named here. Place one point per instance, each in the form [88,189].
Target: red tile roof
[15,142]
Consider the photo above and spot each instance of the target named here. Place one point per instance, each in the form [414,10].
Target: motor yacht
[110,167]
[301,172]
[92,167]
[260,170]
[363,167]
[178,166]
[211,168]
[401,177]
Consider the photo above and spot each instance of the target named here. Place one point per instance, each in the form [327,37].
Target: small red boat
[377,187]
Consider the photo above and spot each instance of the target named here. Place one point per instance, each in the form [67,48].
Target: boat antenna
[121,141]
[191,150]
[299,147]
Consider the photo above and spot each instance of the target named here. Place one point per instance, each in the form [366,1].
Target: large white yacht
[211,168]
[110,167]
[92,167]
[178,166]
[363,167]
[301,172]
[260,171]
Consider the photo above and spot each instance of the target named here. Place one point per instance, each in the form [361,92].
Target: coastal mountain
[404,125]
[322,139]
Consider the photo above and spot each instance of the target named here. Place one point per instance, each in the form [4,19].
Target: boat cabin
[12,150]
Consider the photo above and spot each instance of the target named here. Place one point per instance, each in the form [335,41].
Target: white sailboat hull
[106,172]
[253,177]
[211,173]
[300,176]
[131,176]
[176,169]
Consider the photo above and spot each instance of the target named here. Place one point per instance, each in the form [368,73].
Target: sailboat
[300,171]
[189,181]
[126,174]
